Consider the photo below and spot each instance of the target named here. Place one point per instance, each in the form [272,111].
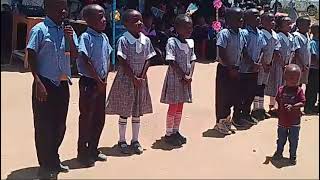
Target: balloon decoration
[216,25]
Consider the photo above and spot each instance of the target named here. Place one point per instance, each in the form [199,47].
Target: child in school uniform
[228,78]
[93,67]
[312,90]
[50,67]
[270,51]
[286,53]
[129,95]
[250,63]
[302,56]
[291,99]
[177,84]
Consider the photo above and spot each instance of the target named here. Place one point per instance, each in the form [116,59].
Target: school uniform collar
[233,31]
[50,23]
[184,46]
[132,40]
[285,37]
[138,42]
[251,29]
[302,36]
[93,32]
[268,34]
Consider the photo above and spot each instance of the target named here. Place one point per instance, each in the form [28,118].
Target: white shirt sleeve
[170,50]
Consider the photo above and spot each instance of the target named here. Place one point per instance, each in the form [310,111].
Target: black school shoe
[181,138]
[238,122]
[100,157]
[45,173]
[273,113]
[251,120]
[123,146]
[293,160]
[137,149]
[172,140]
[277,156]
[51,171]
[258,114]
[266,115]
[60,168]
[86,161]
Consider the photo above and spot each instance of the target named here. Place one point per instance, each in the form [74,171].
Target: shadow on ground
[161,144]
[73,164]
[245,127]
[284,162]
[30,173]
[114,151]
[213,133]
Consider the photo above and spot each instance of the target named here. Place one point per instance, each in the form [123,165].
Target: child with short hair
[270,51]
[312,89]
[286,53]
[200,35]
[291,99]
[50,67]
[93,66]
[301,47]
[129,94]
[228,79]
[149,27]
[250,63]
[177,84]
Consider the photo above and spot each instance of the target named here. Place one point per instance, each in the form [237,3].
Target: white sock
[122,129]
[135,128]
[261,103]
[169,124]
[169,131]
[256,103]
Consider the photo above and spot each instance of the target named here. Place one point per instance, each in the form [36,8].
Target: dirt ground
[207,155]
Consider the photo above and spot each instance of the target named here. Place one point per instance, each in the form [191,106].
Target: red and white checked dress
[174,89]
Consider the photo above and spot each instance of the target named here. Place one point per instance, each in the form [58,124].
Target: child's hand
[305,68]
[256,66]
[137,81]
[68,31]
[288,107]
[234,74]
[266,67]
[41,92]
[277,56]
[187,79]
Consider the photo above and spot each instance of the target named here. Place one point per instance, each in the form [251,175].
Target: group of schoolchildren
[259,56]
[249,58]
